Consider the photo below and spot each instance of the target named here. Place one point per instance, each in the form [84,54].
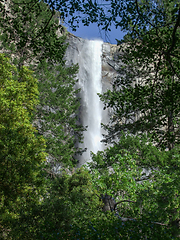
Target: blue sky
[92,32]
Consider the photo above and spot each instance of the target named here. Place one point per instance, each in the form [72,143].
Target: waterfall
[90,67]
[88,55]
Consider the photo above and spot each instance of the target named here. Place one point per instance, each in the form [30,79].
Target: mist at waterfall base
[90,67]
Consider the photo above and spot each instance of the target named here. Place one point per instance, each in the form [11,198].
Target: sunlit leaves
[144,182]
[22,153]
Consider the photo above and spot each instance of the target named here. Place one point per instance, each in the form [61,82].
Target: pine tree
[58,113]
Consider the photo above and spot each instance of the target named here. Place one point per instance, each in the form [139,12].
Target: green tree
[145,184]
[32,36]
[58,113]
[22,152]
[70,203]
[145,97]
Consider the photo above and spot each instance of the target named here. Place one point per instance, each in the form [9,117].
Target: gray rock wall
[110,64]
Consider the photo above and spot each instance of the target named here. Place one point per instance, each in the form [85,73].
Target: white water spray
[90,68]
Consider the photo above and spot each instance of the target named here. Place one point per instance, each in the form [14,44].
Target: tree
[69,205]
[145,184]
[145,98]
[58,113]
[31,34]
[22,152]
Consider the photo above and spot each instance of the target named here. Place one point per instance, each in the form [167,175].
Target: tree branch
[137,8]
[122,202]
[174,34]
[45,25]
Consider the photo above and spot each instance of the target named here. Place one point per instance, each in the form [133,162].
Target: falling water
[88,53]
[91,107]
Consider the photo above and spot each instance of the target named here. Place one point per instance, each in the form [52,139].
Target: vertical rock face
[110,64]
[98,64]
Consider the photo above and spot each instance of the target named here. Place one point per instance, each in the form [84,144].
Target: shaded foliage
[144,182]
